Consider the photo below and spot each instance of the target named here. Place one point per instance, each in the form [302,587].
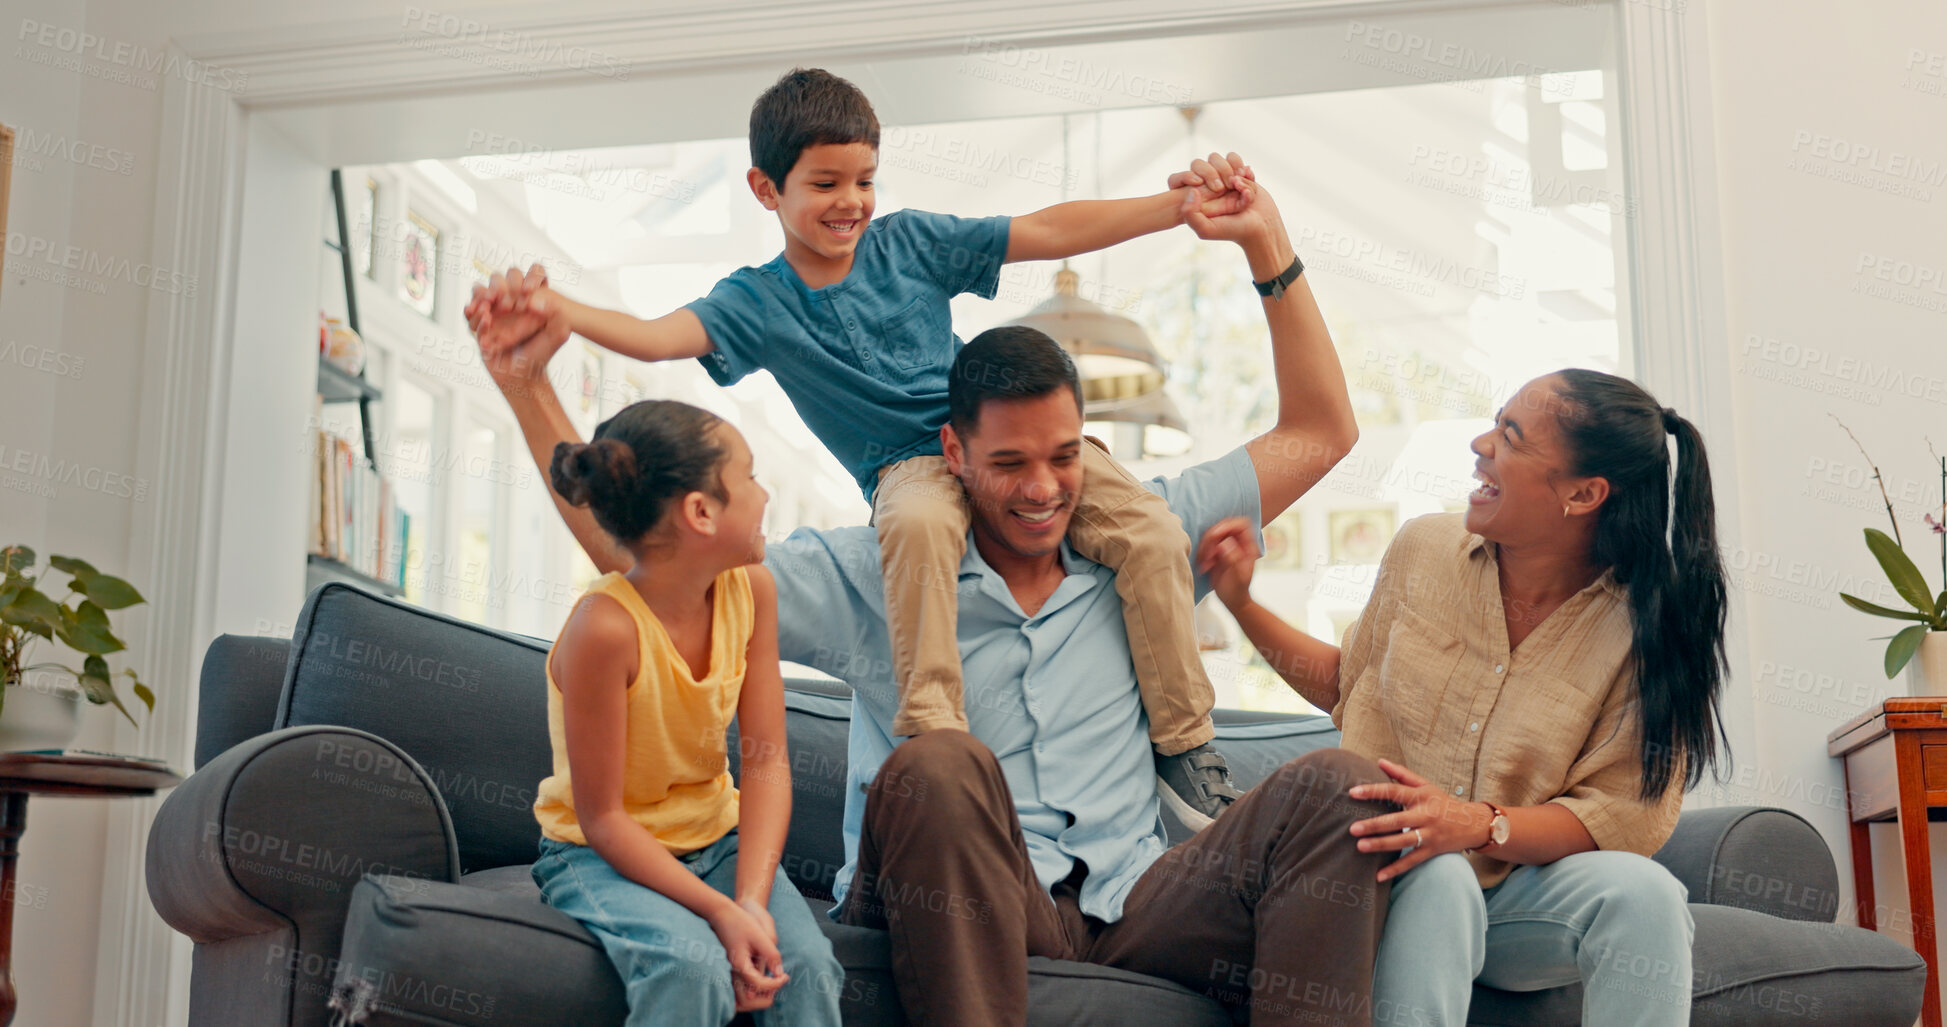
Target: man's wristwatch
[1497,829]
[1275,287]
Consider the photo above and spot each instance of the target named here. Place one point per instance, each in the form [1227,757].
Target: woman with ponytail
[1540,678]
[645,839]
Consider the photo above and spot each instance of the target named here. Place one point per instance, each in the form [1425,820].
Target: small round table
[25,773]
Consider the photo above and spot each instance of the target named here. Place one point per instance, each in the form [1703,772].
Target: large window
[1462,220]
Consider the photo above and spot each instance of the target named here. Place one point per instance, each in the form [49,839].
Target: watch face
[1499,829]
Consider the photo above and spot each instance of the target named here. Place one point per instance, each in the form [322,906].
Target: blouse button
[1459,789]
[1497,668]
[1475,726]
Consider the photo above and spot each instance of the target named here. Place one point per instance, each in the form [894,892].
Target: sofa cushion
[487,953]
[482,953]
[468,703]
[1060,991]
[1750,968]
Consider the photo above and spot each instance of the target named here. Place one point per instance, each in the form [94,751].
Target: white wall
[1793,241]
[1796,84]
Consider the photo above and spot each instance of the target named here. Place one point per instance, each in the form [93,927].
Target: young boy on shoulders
[853,321]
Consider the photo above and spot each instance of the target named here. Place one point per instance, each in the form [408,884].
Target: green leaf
[9,588]
[94,680]
[141,690]
[16,559]
[1900,570]
[1880,611]
[34,611]
[97,687]
[108,592]
[85,630]
[1902,648]
[70,565]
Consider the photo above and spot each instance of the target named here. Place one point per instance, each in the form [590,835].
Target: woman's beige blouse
[1426,680]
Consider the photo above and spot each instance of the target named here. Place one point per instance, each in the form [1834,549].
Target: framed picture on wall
[419,264]
[1360,536]
[6,176]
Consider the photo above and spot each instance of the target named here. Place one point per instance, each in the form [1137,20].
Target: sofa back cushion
[470,705]
[817,719]
[467,702]
[237,697]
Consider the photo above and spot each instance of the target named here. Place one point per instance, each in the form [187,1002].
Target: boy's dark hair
[807,107]
[641,460]
[1009,362]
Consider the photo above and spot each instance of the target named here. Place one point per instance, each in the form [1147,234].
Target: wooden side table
[23,774]
[1895,757]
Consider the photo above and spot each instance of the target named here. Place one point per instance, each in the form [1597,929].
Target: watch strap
[1278,284]
[1499,815]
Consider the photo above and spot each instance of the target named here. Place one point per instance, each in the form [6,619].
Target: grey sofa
[356,841]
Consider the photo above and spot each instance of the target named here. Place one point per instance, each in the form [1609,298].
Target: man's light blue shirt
[864,359]
[1053,695]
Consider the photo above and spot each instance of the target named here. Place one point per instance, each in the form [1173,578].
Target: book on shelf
[355,514]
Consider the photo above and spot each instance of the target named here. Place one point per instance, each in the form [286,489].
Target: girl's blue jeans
[670,961]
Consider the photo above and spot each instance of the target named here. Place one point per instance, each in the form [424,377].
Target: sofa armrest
[266,842]
[1757,858]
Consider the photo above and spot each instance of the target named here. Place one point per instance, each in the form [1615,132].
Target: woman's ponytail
[1666,553]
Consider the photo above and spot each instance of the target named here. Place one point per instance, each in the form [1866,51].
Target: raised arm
[521,372]
[1227,555]
[1315,427]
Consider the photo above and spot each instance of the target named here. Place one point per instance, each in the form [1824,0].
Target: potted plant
[35,716]
[1927,635]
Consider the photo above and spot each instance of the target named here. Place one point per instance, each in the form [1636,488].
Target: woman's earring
[1564,509]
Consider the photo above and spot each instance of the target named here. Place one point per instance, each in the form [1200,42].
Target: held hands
[518,325]
[1227,555]
[756,967]
[1230,204]
[1432,823]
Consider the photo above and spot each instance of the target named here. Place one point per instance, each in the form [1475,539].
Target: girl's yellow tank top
[677,763]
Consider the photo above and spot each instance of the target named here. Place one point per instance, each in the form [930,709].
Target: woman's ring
[1417,839]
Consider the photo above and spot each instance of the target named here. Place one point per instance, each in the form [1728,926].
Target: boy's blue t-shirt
[865,359]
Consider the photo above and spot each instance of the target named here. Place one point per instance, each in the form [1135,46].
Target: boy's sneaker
[1195,786]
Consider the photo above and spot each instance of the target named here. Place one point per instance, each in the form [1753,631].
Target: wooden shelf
[335,386]
[320,569]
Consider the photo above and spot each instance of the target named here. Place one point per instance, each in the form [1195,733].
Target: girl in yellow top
[645,839]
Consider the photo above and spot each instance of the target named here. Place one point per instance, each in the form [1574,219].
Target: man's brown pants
[1272,907]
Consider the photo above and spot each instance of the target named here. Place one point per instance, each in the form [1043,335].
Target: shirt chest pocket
[1415,677]
[914,339]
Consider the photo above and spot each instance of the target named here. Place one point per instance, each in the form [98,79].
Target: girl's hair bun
[586,473]
[640,461]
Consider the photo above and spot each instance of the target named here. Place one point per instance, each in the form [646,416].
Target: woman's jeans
[1615,922]
[670,961]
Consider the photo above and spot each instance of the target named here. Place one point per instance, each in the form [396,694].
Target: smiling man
[1036,831]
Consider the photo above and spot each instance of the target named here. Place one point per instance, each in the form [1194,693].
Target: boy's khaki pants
[922,515]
